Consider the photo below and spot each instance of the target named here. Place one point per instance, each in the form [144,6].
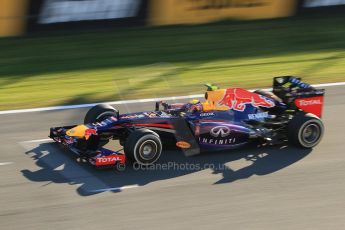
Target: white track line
[329,84]
[117,189]
[37,141]
[129,101]
[5,163]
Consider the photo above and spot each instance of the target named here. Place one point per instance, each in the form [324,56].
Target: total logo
[107,160]
[309,102]
[311,105]
[220,131]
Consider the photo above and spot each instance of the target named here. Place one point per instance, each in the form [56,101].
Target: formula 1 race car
[228,118]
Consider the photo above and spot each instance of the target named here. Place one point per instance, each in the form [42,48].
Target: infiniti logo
[222,131]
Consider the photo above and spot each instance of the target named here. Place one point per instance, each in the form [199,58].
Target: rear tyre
[143,146]
[99,113]
[305,130]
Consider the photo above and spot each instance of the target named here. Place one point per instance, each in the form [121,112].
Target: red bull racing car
[227,119]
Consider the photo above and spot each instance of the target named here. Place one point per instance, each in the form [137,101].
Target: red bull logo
[237,99]
[90,132]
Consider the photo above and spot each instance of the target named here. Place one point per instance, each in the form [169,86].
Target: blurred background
[61,52]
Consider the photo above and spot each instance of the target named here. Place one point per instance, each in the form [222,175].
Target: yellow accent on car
[194,101]
[213,99]
[78,131]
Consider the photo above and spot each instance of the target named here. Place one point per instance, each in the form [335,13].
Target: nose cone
[78,131]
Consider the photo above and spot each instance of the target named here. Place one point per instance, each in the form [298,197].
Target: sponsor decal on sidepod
[183,145]
[257,116]
[222,131]
[219,134]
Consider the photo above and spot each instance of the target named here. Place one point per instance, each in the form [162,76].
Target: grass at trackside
[153,62]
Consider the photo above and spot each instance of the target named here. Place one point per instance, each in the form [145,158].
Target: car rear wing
[299,95]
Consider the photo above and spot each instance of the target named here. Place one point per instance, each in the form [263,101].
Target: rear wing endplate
[297,94]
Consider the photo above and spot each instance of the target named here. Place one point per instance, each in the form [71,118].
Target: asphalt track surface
[43,187]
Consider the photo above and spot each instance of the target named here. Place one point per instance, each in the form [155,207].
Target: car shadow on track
[57,166]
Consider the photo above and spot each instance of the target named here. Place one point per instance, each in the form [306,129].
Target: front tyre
[305,130]
[99,113]
[143,146]
[96,114]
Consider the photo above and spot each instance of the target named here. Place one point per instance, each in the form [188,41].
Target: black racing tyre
[305,130]
[143,146]
[99,113]
[95,114]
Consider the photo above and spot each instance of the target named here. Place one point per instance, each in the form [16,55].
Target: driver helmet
[193,106]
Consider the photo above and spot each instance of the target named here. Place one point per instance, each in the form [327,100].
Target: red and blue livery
[226,119]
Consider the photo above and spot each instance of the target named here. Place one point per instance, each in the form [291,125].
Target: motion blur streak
[132,101]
